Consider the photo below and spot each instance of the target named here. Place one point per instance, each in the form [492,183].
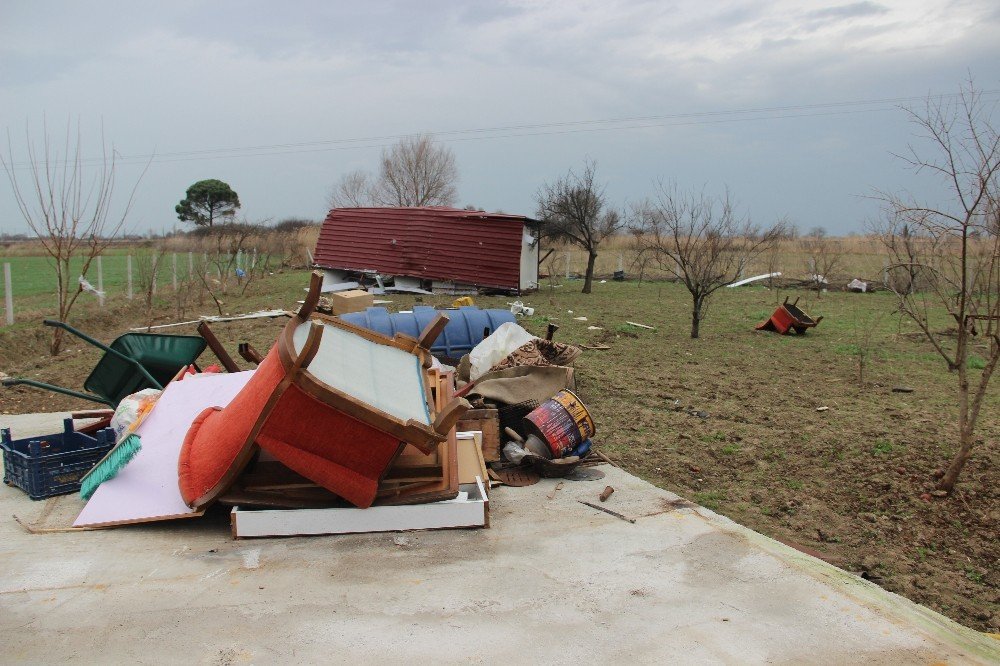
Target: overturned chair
[333,402]
[788,317]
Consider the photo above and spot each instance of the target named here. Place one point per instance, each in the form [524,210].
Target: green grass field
[34,282]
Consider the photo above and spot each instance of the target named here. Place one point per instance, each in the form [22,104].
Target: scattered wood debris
[608,511]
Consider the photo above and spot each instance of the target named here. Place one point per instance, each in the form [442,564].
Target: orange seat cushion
[330,448]
[216,438]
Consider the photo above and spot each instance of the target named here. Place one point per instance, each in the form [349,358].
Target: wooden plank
[245,498]
[446,487]
[470,512]
[269,314]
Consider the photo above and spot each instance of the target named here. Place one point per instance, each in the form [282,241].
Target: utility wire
[264,153]
[540,129]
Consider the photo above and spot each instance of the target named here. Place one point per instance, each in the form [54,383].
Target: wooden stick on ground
[608,511]
[604,458]
[31,529]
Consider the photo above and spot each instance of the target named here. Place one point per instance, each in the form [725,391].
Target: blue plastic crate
[52,464]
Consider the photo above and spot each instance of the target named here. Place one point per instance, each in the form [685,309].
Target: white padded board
[469,509]
[384,377]
[146,489]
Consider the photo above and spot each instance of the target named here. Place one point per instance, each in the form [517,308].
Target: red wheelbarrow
[788,317]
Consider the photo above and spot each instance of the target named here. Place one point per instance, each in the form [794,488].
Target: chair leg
[249,353]
[220,352]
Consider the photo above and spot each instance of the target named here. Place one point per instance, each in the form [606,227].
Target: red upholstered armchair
[333,402]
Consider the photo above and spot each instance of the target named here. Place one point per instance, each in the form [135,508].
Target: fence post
[128,276]
[190,274]
[175,272]
[567,265]
[156,269]
[885,273]
[100,281]
[8,297]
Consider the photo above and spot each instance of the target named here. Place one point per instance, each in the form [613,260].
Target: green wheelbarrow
[133,362]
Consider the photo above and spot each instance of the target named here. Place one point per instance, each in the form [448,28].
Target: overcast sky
[281,99]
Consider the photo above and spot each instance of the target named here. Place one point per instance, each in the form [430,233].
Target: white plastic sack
[493,349]
[89,288]
[131,410]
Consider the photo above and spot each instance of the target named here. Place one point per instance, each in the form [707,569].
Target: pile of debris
[340,428]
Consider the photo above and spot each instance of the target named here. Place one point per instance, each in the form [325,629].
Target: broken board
[470,457]
[469,509]
[146,489]
[486,421]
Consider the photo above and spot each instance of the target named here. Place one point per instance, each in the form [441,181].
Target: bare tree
[953,249]
[572,210]
[774,253]
[67,209]
[864,330]
[147,274]
[416,171]
[353,190]
[700,240]
[222,247]
[822,257]
[903,277]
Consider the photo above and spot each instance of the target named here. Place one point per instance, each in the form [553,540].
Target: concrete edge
[979,645]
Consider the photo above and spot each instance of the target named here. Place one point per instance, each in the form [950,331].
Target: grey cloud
[777,44]
[487,12]
[852,10]
[320,71]
[736,16]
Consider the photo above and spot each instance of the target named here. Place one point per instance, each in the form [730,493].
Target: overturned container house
[445,250]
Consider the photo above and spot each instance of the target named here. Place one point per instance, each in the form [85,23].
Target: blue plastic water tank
[464,330]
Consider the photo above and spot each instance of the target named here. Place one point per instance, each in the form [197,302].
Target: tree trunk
[589,279]
[62,297]
[57,341]
[695,317]
[950,478]
[965,427]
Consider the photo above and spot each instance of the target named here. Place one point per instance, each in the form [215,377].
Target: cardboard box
[487,421]
[353,300]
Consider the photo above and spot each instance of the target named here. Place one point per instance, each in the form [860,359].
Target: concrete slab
[552,581]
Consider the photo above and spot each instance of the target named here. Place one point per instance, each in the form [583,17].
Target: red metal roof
[471,247]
